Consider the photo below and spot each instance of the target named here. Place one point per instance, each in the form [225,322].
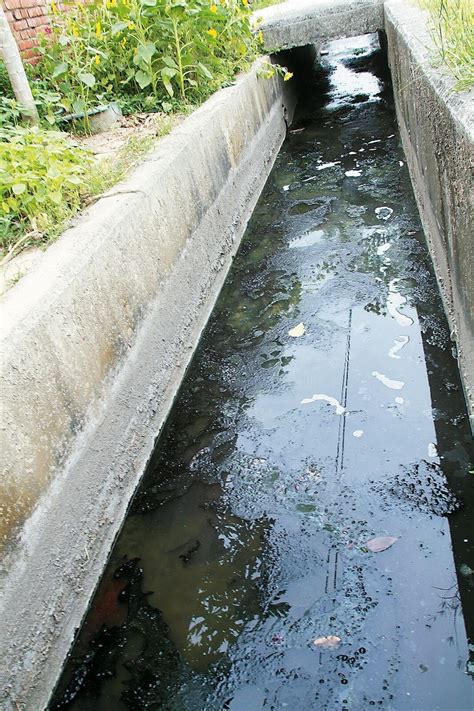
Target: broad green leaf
[142,79]
[204,70]
[56,197]
[87,78]
[59,69]
[170,62]
[78,106]
[166,106]
[167,85]
[148,3]
[146,51]
[18,188]
[168,72]
[53,172]
[118,27]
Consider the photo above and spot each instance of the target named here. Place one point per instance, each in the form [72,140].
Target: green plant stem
[179,59]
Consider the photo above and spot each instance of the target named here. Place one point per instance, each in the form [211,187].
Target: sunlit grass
[452,28]
[260,4]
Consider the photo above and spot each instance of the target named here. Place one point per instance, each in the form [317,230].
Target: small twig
[10,252]
[107,194]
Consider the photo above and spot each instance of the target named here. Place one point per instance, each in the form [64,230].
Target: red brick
[20,25]
[12,4]
[35,11]
[20,14]
[26,44]
[37,21]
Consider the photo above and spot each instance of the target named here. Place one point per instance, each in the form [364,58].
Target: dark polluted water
[322,410]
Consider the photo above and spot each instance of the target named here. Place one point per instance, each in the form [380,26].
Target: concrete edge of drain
[222,154]
[437,130]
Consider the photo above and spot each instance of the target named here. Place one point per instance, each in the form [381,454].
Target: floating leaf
[297,331]
[380,543]
[330,642]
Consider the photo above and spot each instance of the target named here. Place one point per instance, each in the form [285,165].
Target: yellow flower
[213,8]
[287,76]
[131,25]
[97,59]
[260,36]
[123,42]
[245,3]
[98,30]
[75,31]
[54,8]
[212,32]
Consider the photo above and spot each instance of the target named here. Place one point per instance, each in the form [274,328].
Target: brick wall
[26,17]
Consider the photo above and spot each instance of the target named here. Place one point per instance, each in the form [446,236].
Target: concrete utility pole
[16,71]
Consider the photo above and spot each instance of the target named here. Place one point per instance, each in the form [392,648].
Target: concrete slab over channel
[302,22]
[95,343]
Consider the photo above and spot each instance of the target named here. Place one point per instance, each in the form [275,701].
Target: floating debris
[297,331]
[330,642]
[381,543]
[383,213]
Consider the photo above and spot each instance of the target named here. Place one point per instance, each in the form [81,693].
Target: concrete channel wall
[437,129]
[95,342]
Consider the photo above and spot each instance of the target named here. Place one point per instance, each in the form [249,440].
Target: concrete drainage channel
[97,338]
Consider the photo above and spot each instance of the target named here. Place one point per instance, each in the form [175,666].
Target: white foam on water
[358,433]
[327,398]
[394,302]
[353,173]
[383,248]
[388,382]
[432,450]
[400,341]
[399,400]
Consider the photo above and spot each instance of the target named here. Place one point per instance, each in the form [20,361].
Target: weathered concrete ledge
[95,342]
[437,130]
[303,22]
